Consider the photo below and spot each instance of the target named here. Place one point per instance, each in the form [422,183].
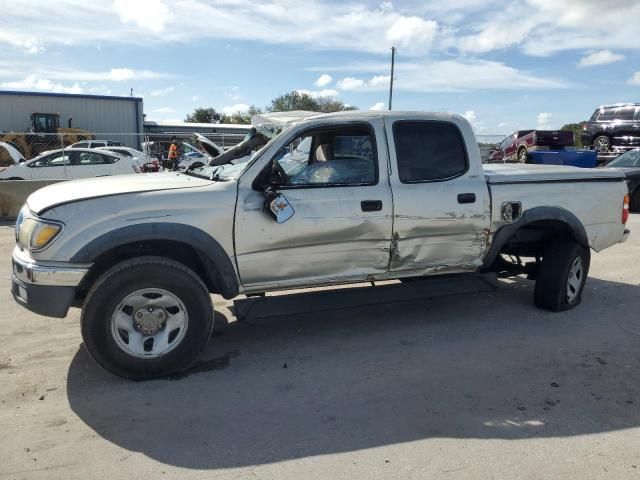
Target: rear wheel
[562,275]
[147,318]
[601,143]
[523,155]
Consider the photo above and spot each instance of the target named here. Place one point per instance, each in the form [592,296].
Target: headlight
[35,234]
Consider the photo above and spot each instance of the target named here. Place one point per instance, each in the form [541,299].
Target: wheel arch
[534,226]
[184,243]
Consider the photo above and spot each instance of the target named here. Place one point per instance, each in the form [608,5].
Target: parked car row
[78,162]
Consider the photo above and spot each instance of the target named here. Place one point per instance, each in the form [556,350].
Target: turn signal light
[625,209]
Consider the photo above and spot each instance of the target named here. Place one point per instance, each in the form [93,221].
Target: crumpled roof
[272,123]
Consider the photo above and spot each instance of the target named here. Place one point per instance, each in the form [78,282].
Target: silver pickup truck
[332,199]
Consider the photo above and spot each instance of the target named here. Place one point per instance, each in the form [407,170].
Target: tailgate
[553,138]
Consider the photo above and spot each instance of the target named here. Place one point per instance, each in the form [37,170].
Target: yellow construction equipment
[44,134]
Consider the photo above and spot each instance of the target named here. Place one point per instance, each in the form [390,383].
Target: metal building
[107,117]
[224,134]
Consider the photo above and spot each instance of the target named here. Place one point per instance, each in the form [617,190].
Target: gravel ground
[374,383]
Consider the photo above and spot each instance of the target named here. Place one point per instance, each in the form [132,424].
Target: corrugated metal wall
[112,118]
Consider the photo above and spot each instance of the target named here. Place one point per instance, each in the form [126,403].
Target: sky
[503,64]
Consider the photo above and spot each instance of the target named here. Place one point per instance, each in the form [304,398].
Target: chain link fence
[27,145]
[21,146]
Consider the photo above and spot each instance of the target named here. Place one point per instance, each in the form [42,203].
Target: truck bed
[526,173]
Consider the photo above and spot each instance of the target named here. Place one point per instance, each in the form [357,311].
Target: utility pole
[393,58]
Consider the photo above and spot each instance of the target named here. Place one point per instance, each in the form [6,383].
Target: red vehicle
[516,147]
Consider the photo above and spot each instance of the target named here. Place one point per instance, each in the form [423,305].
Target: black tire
[523,155]
[634,203]
[128,277]
[601,143]
[552,280]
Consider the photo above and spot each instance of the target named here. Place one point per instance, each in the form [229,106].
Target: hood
[211,148]
[14,154]
[626,170]
[76,190]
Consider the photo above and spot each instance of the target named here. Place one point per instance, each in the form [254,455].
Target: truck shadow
[481,365]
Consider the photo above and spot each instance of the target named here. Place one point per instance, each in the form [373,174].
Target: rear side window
[429,151]
[625,113]
[606,114]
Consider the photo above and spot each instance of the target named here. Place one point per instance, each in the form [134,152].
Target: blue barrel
[576,158]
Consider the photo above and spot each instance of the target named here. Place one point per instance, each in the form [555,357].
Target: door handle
[371,205]
[466,198]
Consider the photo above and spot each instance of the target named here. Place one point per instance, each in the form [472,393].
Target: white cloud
[544,121]
[27,44]
[351,83]
[635,80]
[349,25]
[32,82]
[120,74]
[412,34]
[445,76]
[164,110]
[161,92]
[602,57]
[542,27]
[378,106]
[151,15]
[195,98]
[327,92]
[238,107]
[470,115]
[323,80]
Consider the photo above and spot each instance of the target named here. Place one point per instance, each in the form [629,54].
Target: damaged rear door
[332,182]
[441,198]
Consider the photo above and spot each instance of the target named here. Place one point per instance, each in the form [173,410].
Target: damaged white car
[332,199]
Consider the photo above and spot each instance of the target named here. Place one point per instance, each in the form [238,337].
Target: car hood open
[67,192]
[15,155]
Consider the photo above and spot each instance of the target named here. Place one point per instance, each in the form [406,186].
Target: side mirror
[277,206]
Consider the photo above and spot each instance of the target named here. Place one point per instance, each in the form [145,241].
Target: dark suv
[613,128]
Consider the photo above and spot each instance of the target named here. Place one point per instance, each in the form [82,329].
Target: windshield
[629,159]
[228,171]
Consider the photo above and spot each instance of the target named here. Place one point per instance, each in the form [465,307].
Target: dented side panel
[328,239]
[433,232]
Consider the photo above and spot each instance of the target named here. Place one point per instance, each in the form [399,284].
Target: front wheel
[562,275]
[147,318]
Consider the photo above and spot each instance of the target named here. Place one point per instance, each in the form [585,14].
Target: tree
[203,115]
[332,104]
[293,101]
[241,117]
[577,131]
[303,101]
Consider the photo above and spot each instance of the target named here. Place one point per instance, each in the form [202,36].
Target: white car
[95,144]
[140,157]
[67,163]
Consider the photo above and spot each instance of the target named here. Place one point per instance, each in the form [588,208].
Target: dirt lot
[387,384]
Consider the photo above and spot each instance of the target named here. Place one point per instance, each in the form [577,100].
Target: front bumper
[44,288]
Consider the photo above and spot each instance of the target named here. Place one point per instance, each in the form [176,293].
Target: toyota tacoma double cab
[331,199]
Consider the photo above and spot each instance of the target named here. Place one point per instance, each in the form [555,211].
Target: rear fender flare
[533,215]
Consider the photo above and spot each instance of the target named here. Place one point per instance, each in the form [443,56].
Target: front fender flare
[217,263]
[536,214]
